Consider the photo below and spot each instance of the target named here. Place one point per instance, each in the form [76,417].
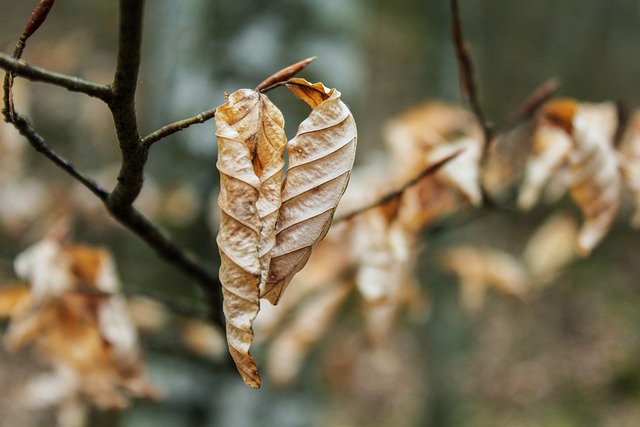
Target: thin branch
[38,74]
[172,253]
[38,143]
[122,105]
[37,18]
[120,97]
[134,221]
[466,71]
[430,170]
[624,116]
[529,105]
[275,80]
[182,308]
[172,128]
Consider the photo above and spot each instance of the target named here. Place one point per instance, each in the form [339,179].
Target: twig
[38,143]
[624,116]
[275,80]
[431,169]
[36,19]
[120,97]
[179,307]
[529,106]
[38,74]
[172,128]
[466,72]
[134,221]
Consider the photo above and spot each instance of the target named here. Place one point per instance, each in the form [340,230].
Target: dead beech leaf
[80,324]
[311,322]
[551,146]
[481,268]
[431,131]
[331,260]
[463,172]
[630,164]
[385,276]
[551,248]
[251,141]
[203,339]
[578,136]
[596,182]
[321,157]
[12,298]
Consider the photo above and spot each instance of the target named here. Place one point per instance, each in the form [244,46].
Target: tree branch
[38,74]
[120,97]
[135,221]
[467,72]
[172,128]
[122,106]
[172,253]
[38,143]
[429,170]
[529,105]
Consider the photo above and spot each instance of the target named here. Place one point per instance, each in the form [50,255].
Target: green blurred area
[567,357]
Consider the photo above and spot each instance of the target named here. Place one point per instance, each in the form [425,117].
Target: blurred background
[566,356]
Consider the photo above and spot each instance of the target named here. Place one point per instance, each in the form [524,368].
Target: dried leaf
[432,131]
[47,269]
[79,324]
[331,260]
[321,156]
[480,268]
[312,321]
[12,299]
[505,162]
[596,182]
[551,146]
[463,172]
[251,141]
[551,248]
[147,315]
[630,164]
[203,339]
[582,134]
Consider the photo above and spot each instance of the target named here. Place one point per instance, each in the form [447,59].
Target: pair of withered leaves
[269,226]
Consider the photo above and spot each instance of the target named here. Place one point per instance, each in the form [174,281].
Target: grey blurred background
[567,358]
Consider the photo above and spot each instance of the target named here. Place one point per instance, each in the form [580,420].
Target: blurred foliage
[568,357]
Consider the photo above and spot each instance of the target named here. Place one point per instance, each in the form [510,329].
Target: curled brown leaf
[321,156]
[251,140]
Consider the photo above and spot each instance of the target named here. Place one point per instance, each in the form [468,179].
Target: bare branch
[120,97]
[466,70]
[122,105]
[529,105]
[172,128]
[38,74]
[135,222]
[38,143]
[182,308]
[429,170]
[36,19]
[172,253]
